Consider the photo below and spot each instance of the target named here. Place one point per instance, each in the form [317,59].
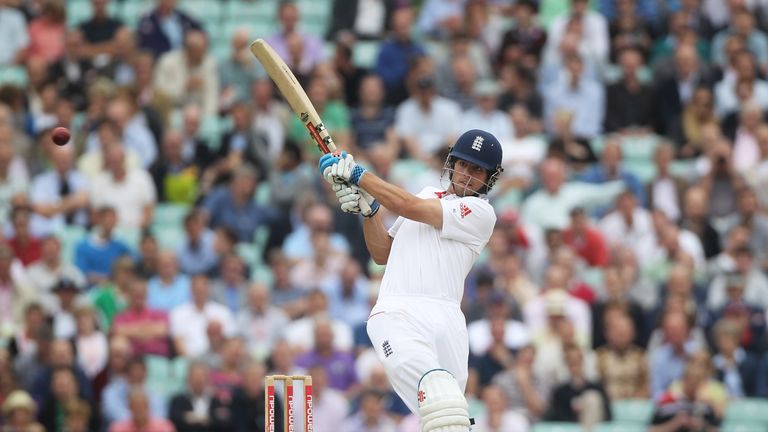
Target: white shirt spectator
[136,137]
[726,100]
[172,74]
[330,408]
[13,33]
[432,129]
[45,189]
[515,336]
[301,334]
[190,324]
[552,211]
[535,315]
[594,40]
[128,197]
[261,331]
[640,236]
[755,290]
[495,122]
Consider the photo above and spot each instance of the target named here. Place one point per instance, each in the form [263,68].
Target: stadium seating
[621,427]
[557,427]
[632,411]
[748,411]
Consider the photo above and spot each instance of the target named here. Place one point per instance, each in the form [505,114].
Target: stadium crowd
[183,245]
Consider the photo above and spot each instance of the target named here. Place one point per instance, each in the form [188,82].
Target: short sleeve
[468,220]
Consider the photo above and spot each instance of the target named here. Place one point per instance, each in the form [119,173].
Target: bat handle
[364,207]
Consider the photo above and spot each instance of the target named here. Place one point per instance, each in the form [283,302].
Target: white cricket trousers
[413,335]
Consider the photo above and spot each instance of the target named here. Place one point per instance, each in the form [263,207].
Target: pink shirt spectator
[46,40]
[154,425]
[145,317]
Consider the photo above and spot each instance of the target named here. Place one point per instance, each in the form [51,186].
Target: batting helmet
[482,149]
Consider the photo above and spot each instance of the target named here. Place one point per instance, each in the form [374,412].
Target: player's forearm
[377,239]
[402,203]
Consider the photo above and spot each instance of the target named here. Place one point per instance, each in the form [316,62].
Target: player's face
[468,178]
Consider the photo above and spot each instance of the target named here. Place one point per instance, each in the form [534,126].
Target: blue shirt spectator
[609,169]
[578,94]
[169,288]
[95,254]
[396,55]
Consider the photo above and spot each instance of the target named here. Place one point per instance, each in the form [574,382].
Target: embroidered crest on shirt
[387,349]
[477,144]
[464,210]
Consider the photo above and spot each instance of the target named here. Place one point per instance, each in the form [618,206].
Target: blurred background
[182,245]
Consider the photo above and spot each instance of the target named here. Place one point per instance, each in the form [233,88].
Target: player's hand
[346,170]
[350,198]
[326,163]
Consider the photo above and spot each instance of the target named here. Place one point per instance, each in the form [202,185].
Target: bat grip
[364,207]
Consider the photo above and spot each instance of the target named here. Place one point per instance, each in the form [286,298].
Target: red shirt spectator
[47,33]
[27,248]
[147,329]
[585,240]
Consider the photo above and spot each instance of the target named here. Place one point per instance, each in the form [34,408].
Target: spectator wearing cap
[95,254]
[169,288]
[163,29]
[58,196]
[747,276]
[189,74]
[484,113]
[19,413]
[190,320]
[64,324]
[233,206]
[147,329]
[586,240]
[426,122]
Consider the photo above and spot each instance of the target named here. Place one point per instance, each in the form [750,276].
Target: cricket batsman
[417,327]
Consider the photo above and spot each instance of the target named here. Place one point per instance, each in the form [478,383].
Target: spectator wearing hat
[95,254]
[19,413]
[163,29]
[64,323]
[484,114]
[747,278]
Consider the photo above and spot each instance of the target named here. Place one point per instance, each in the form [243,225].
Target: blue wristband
[357,173]
[374,208]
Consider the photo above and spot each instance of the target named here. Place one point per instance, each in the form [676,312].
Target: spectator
[396,55]
[665,191]
[579,94]
[147,329]
[233,206]
[595,39]
[630,225]
[46,32]
[498,356]
[95,254]
[11,183]
[629,102]
[742,85]
[196,409]
[116,402]
[24,342]
[19,413]
[527,32]
[371,416]
[330,406]
[59,357]
[119,355]
[110,298]
[498,415]
[579,399]
[130,192]
[526,391]
[240,145]
[586,240]
[231,287]
[90,342]
[312,51]
[63,318]
[169,288]
[248,402]
[64,403]
[747,276]
[668,361]
[743,374]
[141,416]
[240,71]
[373,119]
[189,74]
[621,365]
[261,324]
[339,364]
[317,218]
[693,125]
[100,32]
[27,247]
[743,26]
[227,374]
[190,320]
[270,116]
[750,216]
[107,135]
[320,269]
[484,114]
[498,332]
[197,255]
[15,291]
[628,29]
[164,28]
[175,179]
[58,196]
[616,299]
[610,169]
[13,28]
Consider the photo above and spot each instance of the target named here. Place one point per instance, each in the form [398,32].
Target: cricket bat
[297,98]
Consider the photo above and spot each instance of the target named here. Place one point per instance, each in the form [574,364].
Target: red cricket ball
[60,136]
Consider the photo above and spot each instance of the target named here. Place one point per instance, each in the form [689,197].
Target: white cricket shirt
[425,261]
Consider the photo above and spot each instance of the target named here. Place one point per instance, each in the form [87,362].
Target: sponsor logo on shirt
[464,210]
[422,396]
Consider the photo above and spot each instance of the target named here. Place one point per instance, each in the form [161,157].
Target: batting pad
[442,406]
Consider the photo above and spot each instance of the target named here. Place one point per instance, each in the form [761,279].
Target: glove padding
[341,169]
[355,200]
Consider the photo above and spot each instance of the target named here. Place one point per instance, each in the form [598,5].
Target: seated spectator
[58,196]
[188,74]
[158,37]
[261,324]
[50,268]
[147,329]
[525,391]
[610,169]
[742,24]
[285,295]
[169,288]
[24,342]
[750,216]
[667,362]
[742,373]
[227,374]
[629,102]
[313,53]
[498,415]
[71,74]
[231,287]
[339,364]
[234,206]
[617,298]
[95,254]
[747,276]
[689,129]
[190,320]
[248,402]
[110,298]
[373,120]
[19,412]
[498,356]
[695,402]
[14,32]
[66,293]
[12,185]
[239,71]
[100,32]
[26,246]
[322,267]
[241,145]
[116,402]
[696,220]
[330,406]
[130,192]
[149,252]
[316,217]
[197,255]
[141,416]
[621,365]
[371,414]
[586,240]
[119,356]
[742,85]
[47,32]
[300,332]
[92,163]
[175,179]
[132,127]
[59,356]
[580,94]
[28,364]
[196,408]
[578,400]
[498,327]
[90,343]
[64,403]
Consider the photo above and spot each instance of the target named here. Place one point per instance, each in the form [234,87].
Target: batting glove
[347,170]
[326,163]
[355,200]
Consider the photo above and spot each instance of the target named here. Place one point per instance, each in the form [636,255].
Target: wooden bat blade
[296,97]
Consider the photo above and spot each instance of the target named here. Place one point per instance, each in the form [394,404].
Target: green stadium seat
[743,426]
[752,410]
[170,214]
[78,11]
[129,236]
[204,10]
[69,237]
[166,376]
[250,253]
[556,427]
[644,170]
[265,9]
[13,75]
[640,147]
[632,411]
[365,53]
[620,427]
[169,237]
[132,11]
